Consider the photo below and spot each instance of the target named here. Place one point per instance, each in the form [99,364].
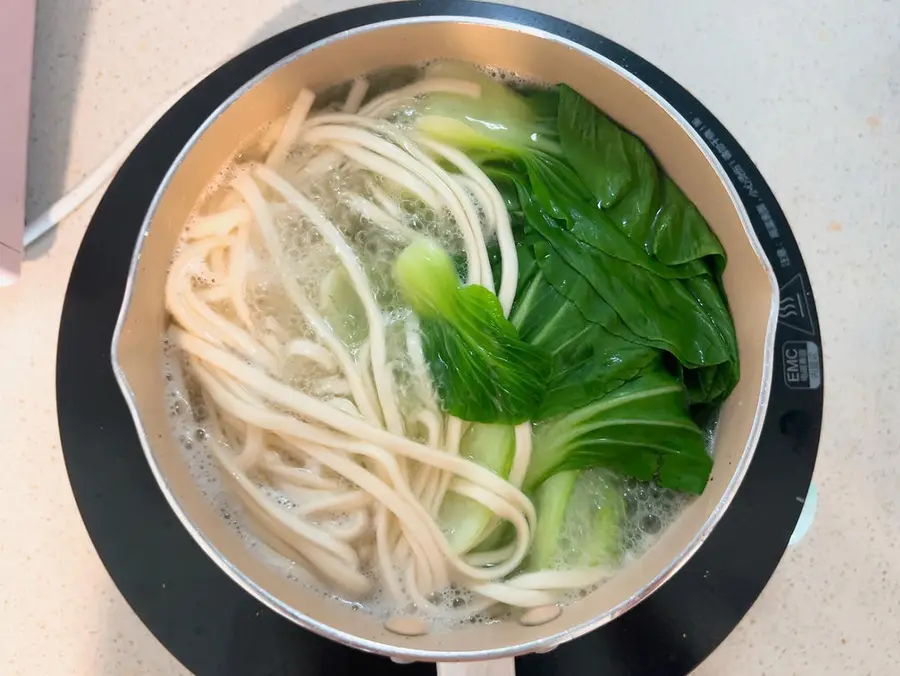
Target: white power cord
[99,176]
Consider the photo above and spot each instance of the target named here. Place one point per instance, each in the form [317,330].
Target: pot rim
[550,641]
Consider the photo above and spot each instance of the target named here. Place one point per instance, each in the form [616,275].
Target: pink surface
[16,45]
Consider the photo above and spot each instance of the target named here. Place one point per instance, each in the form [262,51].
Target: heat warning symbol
[793,308]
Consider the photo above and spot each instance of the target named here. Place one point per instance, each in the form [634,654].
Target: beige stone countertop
[810,89]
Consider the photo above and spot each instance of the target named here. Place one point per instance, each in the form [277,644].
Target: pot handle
[504,667]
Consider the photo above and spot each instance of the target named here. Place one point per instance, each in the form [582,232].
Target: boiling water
[648,508]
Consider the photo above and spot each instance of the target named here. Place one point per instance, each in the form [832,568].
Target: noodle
[314,431]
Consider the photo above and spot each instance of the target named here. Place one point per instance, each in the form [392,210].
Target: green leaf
[624,179]
[616,266]
[622,176]
[587,360]
[558,191]
[544,105]
[482,370]
[594,146]
[641,429]
[661,312]
[680,235]
[678,309]
[619,240]
[711,384]
[636,210]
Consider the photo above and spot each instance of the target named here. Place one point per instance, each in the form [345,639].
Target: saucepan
[408,38]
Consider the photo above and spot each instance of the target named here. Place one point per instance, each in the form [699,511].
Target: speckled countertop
[812,91]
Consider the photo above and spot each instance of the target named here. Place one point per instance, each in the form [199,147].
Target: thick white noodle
[295,119]
[525,598]
[345,405]
[384,380]
[378,216]
[479,195]
[237,275]
[355,96]
[424,386]
[494,208]
[390,101]
[356,491]
[522,454]
[253,448]
[393,171]
[341,129]
[441,481]
[334,559]
[256,380]
[216,225]
[195,315]
[214,294]
[298,476]
[496,494]
[313,352]
[497,209]
[331,386]
[385,202]
[251,194]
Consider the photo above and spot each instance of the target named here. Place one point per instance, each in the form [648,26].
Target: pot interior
[748,281]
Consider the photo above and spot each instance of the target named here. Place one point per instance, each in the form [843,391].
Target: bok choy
[464,520]
[641,429]
[580,517]
[619,295]
[482,370]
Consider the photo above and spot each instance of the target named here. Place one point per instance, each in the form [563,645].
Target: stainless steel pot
[749,281]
